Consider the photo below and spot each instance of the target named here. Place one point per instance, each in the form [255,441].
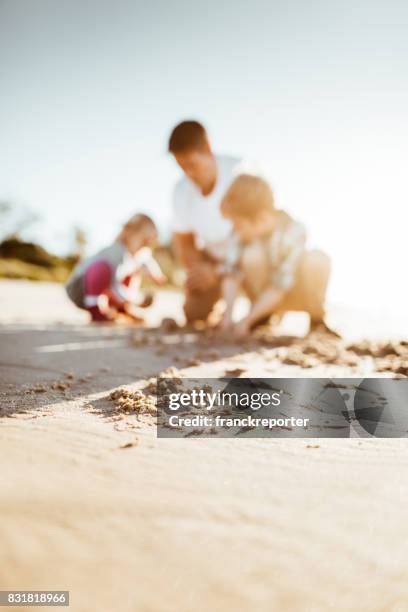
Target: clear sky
[316,91]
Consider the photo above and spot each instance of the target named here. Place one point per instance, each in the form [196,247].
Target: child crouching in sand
[273,267]
[101,284]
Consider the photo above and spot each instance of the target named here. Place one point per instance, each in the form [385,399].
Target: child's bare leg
[316,271]
[309,293]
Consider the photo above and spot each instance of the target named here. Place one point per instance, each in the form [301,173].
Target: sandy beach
[92,502]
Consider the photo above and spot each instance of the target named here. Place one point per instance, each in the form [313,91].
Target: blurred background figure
[107,283]
[201,233]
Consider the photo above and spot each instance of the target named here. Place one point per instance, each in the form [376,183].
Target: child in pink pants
[103,284]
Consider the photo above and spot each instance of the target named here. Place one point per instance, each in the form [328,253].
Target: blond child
[102,284]
[273,267]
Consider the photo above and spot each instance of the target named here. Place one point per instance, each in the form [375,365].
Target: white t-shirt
[201,215]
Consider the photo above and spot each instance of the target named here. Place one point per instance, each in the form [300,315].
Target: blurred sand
[197,524]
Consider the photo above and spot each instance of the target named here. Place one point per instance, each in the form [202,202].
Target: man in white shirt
[201,234]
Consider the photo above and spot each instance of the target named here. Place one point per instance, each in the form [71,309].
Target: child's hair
[139,222]
[248,196]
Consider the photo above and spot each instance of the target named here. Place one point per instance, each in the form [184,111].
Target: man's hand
[185,248]
[201,276]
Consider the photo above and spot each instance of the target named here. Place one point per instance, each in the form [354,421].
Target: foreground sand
[93,503]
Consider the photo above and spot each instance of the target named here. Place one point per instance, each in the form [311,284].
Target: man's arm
[201,273]
[186,251]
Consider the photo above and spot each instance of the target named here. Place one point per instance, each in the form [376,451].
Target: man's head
[190,146]
[249,204]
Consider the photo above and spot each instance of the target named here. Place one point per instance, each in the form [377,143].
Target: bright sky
[317,92]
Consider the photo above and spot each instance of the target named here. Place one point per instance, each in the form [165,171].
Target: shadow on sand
[44,365]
